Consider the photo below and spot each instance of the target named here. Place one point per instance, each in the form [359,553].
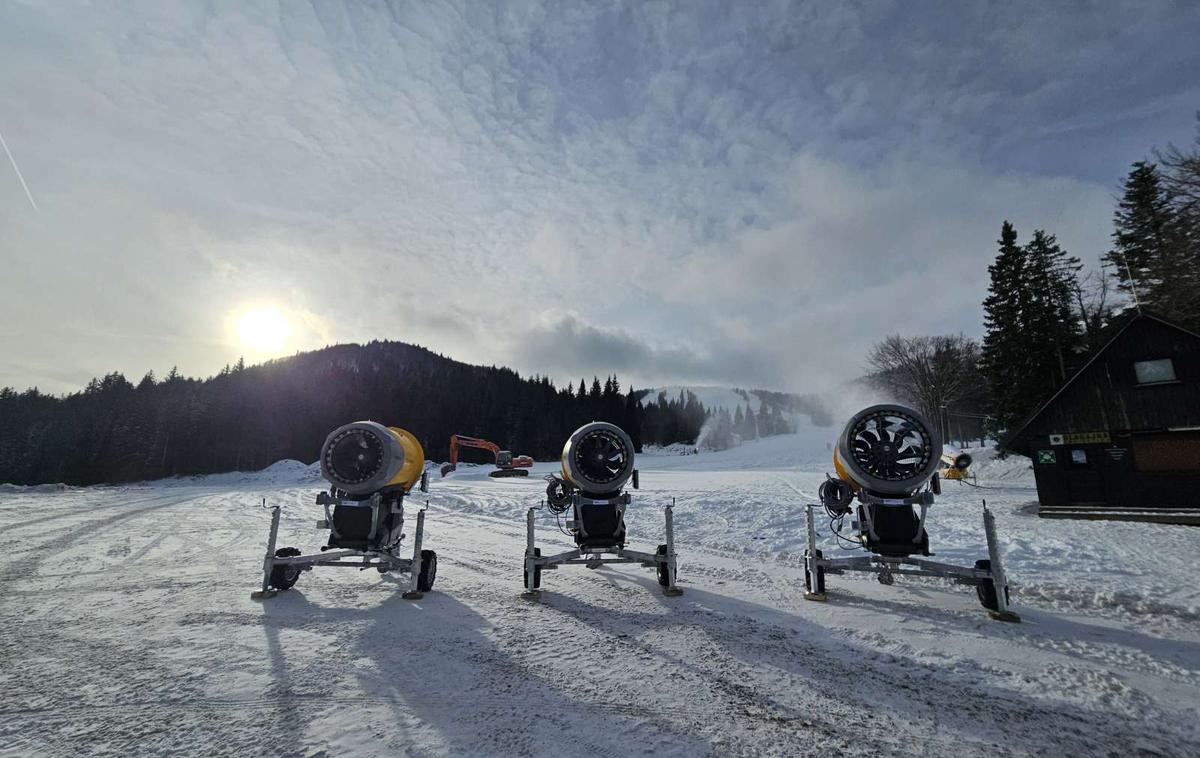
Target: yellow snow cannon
[887,459]
[598,458]
[956,467]
[597,463]
[887,450]
[366,457]
[372,469]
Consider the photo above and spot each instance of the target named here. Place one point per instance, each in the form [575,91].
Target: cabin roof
[1011,440]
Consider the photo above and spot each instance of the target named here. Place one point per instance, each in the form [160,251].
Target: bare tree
[1092,299]
[936,374]
[1181,175]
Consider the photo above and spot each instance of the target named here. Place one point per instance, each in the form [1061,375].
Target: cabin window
[1154,372]
[1079,456]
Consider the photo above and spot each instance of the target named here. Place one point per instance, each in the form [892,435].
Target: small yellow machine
[957,467]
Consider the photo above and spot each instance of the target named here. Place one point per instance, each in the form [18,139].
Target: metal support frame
[999,578]
[595,557]
[269,561]
[382,559]
[414,565]
[887,567]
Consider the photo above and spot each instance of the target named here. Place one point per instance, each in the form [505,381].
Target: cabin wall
[1155,470]
[1107,441]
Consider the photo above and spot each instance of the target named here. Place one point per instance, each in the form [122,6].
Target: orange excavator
[507,464]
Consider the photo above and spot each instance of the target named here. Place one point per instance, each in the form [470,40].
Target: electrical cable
[835,528]
[558,494]
[558,520]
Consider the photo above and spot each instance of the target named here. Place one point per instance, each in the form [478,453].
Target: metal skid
[595,556]
[383,560]
[887,567]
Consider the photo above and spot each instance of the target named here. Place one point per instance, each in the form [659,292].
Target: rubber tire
[664,577]
[986,589]
[428,573]
[284,577]
[537,573]
[820,578]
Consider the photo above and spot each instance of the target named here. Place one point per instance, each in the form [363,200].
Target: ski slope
[712,398]
[126,627]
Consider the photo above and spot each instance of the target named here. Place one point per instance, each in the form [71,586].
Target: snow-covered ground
[126,627]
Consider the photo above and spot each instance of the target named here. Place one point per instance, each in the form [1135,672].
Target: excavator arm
[457,440]
[505,461]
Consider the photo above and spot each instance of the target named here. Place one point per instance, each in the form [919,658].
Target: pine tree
[1049,323]
[1141,228]
[751,431]
[1003,361]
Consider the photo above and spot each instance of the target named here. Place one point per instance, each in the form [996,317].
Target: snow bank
[988,466]
[31,488]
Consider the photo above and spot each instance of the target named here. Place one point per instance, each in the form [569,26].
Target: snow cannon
[371,468]
[597,459]
[887,450]
[956,467]
[365,457]
[597,463]
[887,460]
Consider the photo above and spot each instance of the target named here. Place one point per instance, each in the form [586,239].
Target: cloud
[698,191]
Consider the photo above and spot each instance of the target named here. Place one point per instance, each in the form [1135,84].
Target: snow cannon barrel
[887,450]
[365,457]
[598,459]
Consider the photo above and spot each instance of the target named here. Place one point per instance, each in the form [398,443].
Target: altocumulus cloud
[676,191]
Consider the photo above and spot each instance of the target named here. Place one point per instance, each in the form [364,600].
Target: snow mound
[988,466]
[286,466]
[24,489]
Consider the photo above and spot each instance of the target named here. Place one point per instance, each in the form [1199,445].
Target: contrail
[13,161]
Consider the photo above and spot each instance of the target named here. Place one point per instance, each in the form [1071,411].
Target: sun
[264,330]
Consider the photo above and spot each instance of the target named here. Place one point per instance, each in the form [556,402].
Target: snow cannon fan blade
[598,459]
[887,450]
[963,461]
[365,457]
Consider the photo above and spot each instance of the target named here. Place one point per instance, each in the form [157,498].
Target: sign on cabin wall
[1080,438]
[1046,457]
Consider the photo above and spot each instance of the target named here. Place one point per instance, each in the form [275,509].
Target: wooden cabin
[1123,433]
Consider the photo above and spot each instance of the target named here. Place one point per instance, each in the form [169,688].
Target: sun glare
[264,330]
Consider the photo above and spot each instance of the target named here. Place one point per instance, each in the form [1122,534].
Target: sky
[744,194]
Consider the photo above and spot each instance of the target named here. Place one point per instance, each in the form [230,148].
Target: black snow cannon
[597,463]
[886,460]
[371,469]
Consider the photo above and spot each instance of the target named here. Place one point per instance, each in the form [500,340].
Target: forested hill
[248,417]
